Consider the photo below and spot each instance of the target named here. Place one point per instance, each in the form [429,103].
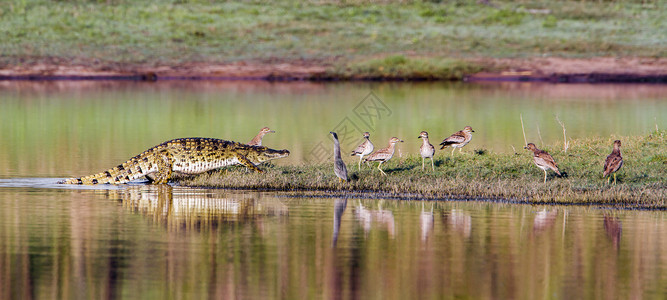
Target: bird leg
[423,164]
[432,167]
[380,164]
[360,158]
[453,149]
[608,179]
[545,176]
[614,178]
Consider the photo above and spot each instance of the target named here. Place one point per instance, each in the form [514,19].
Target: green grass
[642,182]
[437,40]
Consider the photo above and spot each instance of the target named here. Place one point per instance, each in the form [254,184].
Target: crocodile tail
[132,169]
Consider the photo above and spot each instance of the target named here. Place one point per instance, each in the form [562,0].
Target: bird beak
[419,137]
[472,131]
[525,147]
[272,131]
[401,141]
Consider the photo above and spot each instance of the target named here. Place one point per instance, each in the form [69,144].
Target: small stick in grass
[566,145]
[525,142]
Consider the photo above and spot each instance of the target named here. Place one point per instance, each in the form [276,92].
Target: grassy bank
[353,38]
[642,182]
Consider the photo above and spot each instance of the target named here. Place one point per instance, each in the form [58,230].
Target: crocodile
[183,156]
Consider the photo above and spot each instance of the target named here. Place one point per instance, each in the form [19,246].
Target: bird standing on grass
[543,160]
[613,162]
[384,154]
[257,140]
[364,148]
[339,166]
[458,139]
[426,150]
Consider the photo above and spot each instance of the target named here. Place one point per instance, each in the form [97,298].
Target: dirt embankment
[603,69]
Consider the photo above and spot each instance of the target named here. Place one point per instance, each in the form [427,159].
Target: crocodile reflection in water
[185,208]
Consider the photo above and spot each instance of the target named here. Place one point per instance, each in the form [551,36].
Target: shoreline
[510,177]
[552,70]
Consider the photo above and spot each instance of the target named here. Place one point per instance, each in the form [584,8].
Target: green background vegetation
[352,35]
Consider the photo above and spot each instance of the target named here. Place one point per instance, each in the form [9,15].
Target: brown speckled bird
[364,148]
[458,139]
[257,140]
[613,162]
[384,154]
[543,160]
[426,150]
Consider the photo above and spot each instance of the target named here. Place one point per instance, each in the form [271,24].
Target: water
[67,129]
[139,241]
[160,242]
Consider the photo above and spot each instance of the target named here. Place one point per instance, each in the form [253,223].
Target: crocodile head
[259,154]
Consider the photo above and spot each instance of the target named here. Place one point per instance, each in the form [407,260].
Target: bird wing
[382,154]
[543,158]
[456,138]
[340,169]
[612,164]
[360,148]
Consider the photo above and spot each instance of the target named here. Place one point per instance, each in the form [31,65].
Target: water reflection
[544,220]
[382,217]
[339,209]
[182,208]
[461,222]
[162,241]
[427,221]
[613,228]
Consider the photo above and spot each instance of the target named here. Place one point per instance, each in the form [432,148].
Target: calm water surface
[139,241]
[176,242]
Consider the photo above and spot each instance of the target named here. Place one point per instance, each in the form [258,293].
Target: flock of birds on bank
[459,139]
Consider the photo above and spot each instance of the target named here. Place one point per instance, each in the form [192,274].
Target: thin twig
[525,142]
[656,124]
[539,133]
[589,147]
[566,145]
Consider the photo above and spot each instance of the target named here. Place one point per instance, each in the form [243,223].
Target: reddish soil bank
[562,70]
[550,69]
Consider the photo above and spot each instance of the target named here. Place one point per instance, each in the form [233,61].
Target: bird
[613,162]
[458,139]
[426,150]
[339,166]
[257,140]
[384,154]
[364,148]
[543,160]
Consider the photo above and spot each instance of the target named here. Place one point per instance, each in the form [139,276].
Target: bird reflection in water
[544,219]
[426,221]
[182,208]
[367,216]
[461,221]
[613,228]
[339,209]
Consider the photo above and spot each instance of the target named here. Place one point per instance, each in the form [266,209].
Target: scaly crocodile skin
[185,156]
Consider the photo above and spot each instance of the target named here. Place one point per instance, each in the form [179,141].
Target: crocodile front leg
[164,168]
[246,162]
